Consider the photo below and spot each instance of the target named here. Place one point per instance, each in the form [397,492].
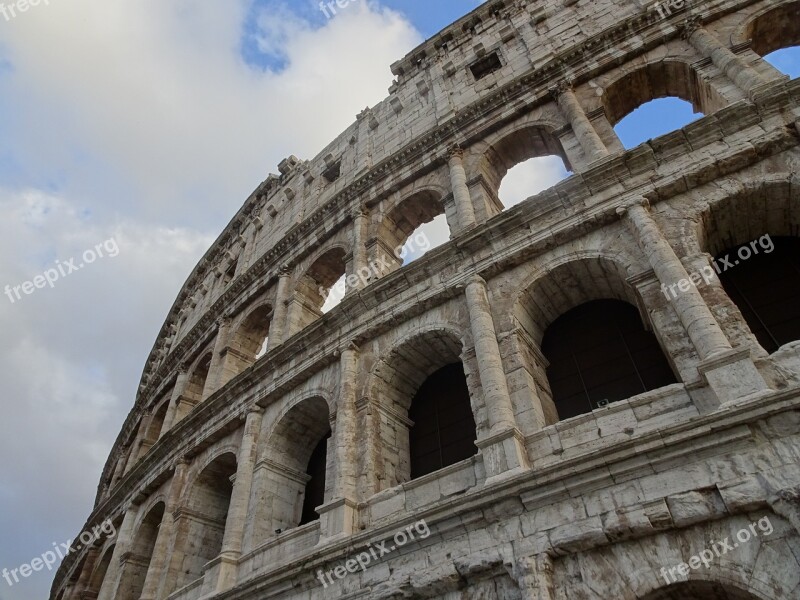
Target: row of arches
[510,167]
[763,289]
[598,345]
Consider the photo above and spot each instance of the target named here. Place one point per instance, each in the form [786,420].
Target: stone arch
[247,342]
[202,516]
[763,215]
[282,479]
[660,79]
[399,223]
[772,28]
[567,282]
[137,561]
[154,428]
[695,589]
[501,152]
[763,568]
[195,388]
[571,283]
[98,575]
[394,382]
[312,287]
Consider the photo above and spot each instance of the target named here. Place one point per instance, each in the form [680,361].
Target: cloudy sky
[136,130]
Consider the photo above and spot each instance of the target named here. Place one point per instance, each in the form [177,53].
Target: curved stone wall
[248,375]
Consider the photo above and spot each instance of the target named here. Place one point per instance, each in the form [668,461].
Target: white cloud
[142,122]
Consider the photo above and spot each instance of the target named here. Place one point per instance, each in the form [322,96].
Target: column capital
[560,87]
[475,279]
[623,209]
[690,25]
[360,211]
[455,151]
[256,410]
[347,346]
[223,321]
[283,271]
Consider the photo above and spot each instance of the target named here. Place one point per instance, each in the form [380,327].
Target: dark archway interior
[315,488]
[765,285]
[599,352]
[699,590]
[444,427]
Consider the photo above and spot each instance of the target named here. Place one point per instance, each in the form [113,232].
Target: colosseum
[591,395]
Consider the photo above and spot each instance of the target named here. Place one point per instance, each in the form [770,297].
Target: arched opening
[553,293]
[251,338]
[763,280]
[315,292]
[208,504]
[137,561]
[196,383]
[599,352]
[247,344]
[531,177]
[100,570]
[291,477]
[516,151]
[157,422]
[670,80]
[775,36]
[414,226]
[753,237]
[422,388]
[653,119]
[699,590]
[444,428]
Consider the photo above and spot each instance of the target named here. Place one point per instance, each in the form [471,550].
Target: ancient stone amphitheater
[594,394]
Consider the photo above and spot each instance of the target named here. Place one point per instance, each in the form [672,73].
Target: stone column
[715,352]
[360,264]
[458,181]
[177,392]
[108,591]
[338,516]
[233,537]
[161,549]
[503,447]
[216,369]
[729,316]
[744,76]
[277,327]
[593,146]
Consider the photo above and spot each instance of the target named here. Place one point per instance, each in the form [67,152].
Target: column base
[220,574]
[504,455]
[733,376]
[338,519]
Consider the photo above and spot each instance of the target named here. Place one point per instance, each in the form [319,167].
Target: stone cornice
[270,377]
[577,223]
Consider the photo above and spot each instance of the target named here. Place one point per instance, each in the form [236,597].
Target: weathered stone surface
[207,481]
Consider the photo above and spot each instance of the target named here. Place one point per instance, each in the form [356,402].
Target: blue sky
[150,123]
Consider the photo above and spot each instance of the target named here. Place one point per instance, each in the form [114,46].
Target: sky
[130,134]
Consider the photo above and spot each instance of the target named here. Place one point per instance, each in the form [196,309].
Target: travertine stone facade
[207,479]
